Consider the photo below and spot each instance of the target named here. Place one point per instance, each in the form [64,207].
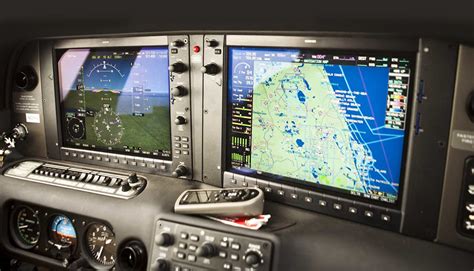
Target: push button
[222,254]
[191,258]
[180,255]
[385,218]
[470,207]
[235,246]
[369,214]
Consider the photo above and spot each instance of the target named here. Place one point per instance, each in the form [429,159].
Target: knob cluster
[207,250]
[180,120]
[178,67]
[160,265]
[26,78]
[164,239]
[132,256]
[250,259]
[178,91]
[211,69]
[180,171]
[132,182]
[212,43]
[178,43]
[253,258]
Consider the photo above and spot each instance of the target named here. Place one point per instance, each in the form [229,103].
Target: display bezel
[334,45]
[106,44]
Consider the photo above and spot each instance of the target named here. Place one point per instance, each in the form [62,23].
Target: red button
[196,49]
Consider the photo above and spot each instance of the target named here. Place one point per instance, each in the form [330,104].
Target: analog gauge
[26,227]
[108,126]
[76,128]
[62,233]
[101,244]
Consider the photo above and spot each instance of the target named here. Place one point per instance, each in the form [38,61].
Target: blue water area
[299,142]
[301,97]
[386,150]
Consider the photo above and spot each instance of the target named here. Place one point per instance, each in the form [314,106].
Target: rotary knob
[132,257]
[178,91]
[211,69]
[212,43]
[177,43]
[180,120]
[164,240]
[178,67]
[180,171]
[253,258]
[26,78]
[160,265]
[207,250]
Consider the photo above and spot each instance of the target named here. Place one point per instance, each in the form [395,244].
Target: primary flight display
[116,99]
[335,121]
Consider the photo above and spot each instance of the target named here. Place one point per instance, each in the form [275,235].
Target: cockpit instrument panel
[116,100]
[327,120]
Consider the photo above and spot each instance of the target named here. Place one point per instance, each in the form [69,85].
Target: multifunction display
[116,99]
[334,121]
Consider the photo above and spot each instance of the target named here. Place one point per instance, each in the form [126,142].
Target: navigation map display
[116,99]
[333,121]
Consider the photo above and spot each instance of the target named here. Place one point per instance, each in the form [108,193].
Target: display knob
[180,170]
[178,91]
[211,69]
[180,120]
[133,178]
[160,265]
[126,186]
[178,67]
[26,78]
[177,43]
[212,43]
[132,257]
[207,250]
[164,239]
[253,258]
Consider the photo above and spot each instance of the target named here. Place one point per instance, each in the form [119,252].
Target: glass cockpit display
[328,120]
[116,99]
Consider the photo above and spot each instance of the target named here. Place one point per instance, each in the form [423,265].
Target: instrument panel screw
[426,49]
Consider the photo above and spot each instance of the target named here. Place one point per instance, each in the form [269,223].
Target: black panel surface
[303,240]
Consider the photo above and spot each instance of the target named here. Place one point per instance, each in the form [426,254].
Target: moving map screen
[116,100]
[332,121]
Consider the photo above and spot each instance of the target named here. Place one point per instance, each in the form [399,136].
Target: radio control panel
[182,247]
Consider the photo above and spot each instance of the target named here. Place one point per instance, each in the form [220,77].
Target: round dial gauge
[26,227]
[62,233]
[101,244]
[76,128]
[108,126]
